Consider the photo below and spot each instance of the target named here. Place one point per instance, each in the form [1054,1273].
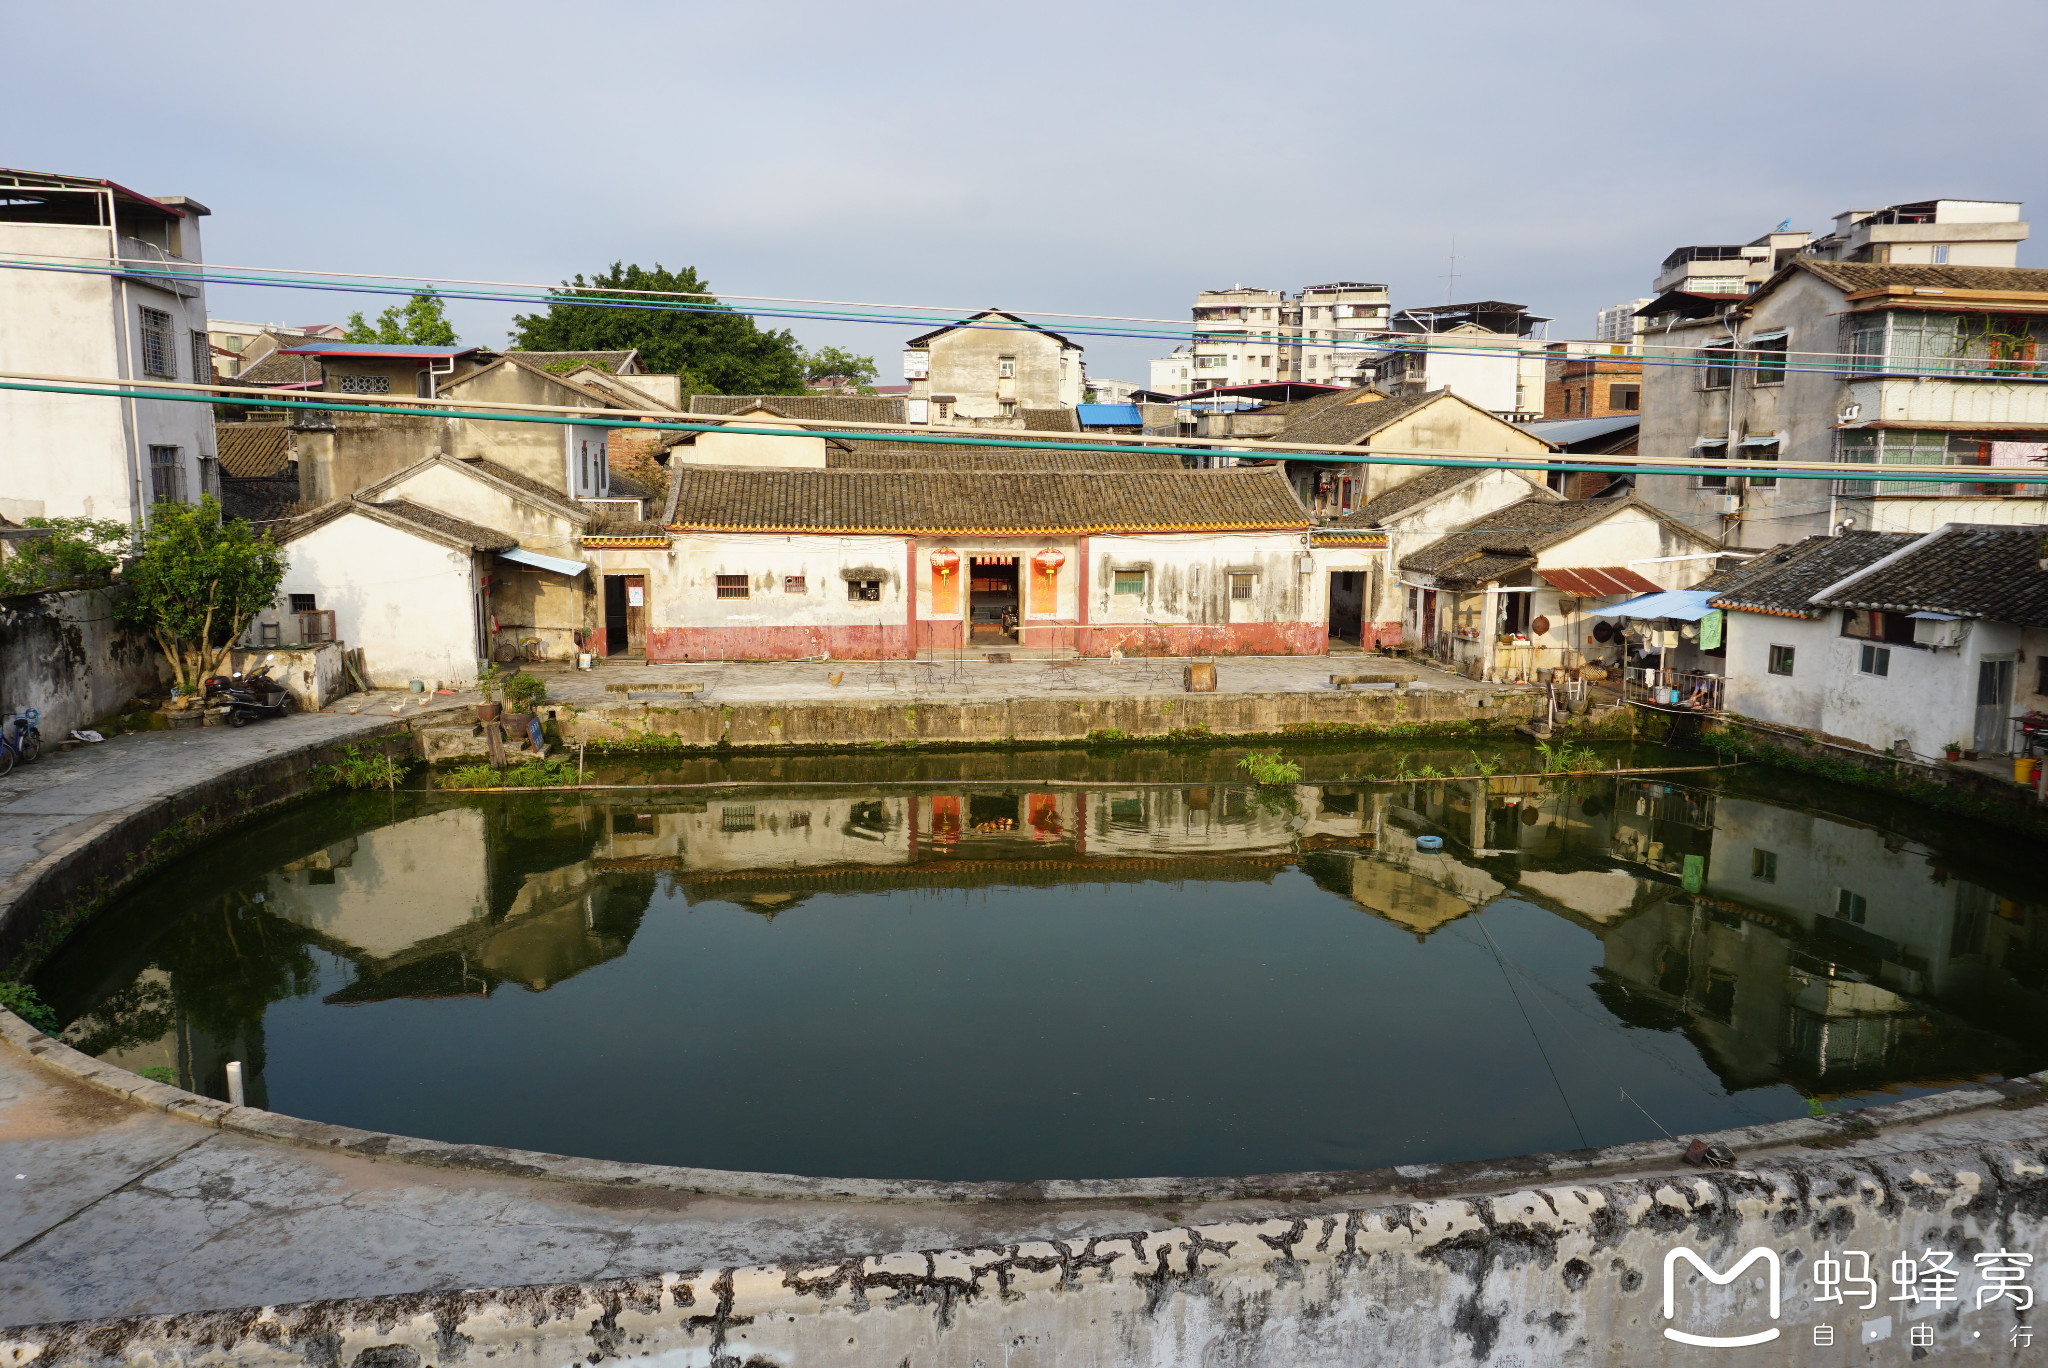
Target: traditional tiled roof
[1509,538]
[815,408]
[1050,420]
[253,450]
[1420,490]
[1344,424]
[280,369]
[886,455]
[612,361]
[406,515]
[1854,276]
[1305,408]
[1970,570]
[1783,581]
[915,503]
[555,498]
[258,499]
[1000,318]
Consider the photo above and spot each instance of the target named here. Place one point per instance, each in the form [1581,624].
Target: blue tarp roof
[1109,415]
[1687,605]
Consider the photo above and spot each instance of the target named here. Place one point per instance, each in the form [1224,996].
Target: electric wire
[1562,1095]
[1379,342]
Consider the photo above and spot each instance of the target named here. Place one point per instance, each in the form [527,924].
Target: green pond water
[1074,964]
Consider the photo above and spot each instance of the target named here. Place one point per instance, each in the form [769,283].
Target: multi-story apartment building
[1336,322]
[1592,380]
[1729,268]
[1241,337]
[1840,357]
[128,306]
[1489,353]
[1622,323]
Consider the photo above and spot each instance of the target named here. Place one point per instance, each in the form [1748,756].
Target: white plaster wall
[74,455]
[795,833]
[1189,577]
[1752,690]
[682,589]
[460,494]
[1418,527]
[1928,515]
[408,602]
[1929,697]
[799,450]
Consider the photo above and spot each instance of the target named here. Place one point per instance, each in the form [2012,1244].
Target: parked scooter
[250,697]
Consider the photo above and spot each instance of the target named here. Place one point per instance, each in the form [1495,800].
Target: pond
[1074,965]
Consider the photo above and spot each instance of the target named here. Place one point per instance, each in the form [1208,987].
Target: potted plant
[487,682]
[522,691]
[1953,750]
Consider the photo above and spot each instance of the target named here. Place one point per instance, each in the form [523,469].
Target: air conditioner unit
[1939,633]
[1730,504]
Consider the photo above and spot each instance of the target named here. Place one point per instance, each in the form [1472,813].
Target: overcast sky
[1089,158]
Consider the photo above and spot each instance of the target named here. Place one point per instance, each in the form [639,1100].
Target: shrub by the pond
[526,774]
[21,999]
[1266,767]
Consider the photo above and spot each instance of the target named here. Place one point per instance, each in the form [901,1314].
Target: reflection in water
[963,956]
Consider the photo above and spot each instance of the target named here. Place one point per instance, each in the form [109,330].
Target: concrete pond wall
[1565,1274]
[62,654]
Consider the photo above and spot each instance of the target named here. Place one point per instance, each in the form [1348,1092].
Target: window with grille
[1767,361]
[793,584]
[864,591]
[1717,365]
[202,358]
[1006,367]
[166,475]
[1240,586]
[1130,582]
[732,586]
[1712,451]
[1781,660]
[366,384]
[304,603]
[1762,451]
[158,356]
[1009,408]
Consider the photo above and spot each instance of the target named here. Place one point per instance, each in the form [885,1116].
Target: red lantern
[945,561]
[1049,560]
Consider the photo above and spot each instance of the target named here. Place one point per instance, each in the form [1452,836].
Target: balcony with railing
[1672,690]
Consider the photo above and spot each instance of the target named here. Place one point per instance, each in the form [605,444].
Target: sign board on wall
[917,410]
[636,597]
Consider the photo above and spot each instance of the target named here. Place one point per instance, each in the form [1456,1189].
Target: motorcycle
[250,697]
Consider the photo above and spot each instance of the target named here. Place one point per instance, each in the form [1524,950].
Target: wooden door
[636,614]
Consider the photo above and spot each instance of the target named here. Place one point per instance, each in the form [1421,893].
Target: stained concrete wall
[1571,1273]
[1033,719]
[62,654]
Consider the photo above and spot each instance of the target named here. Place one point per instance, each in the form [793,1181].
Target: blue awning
[1687,605]
[540,562]
[1109,415]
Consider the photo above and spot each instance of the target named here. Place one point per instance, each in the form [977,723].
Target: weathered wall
[1565,1274]
[1034,719]
[360,449]
[61,654]
[313,674]
[539,451]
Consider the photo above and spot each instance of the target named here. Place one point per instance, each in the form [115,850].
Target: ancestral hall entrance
[994,607]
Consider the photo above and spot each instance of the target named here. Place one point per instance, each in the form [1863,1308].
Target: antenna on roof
[1451,280]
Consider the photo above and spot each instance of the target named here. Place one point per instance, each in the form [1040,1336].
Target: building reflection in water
[1785,945]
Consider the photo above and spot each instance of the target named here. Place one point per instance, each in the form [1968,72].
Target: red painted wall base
[898,642]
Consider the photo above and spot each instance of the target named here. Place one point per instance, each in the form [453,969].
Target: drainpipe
[132,436]
[1730,450]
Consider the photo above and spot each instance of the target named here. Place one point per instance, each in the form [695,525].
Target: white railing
[1693,690]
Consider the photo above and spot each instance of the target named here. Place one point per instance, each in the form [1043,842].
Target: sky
[1081,158]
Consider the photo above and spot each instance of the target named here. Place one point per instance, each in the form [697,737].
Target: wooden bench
[689,688]
[1398,678]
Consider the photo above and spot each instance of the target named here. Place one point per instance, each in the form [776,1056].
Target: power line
[1380,342]
[177,392]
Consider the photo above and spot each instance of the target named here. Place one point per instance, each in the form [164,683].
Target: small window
[1781,660]
[2041,674]
[863,591]
[1941,254]
[945,408]
[1895,628]
[1006,367]
[1008,407]
[202,358]
[366,384]
[732,586]
[1627,398]
[1875,660]
[1712,451]
[736,818]
[305,603]
[793,584]
[1717,364]
[166,475]
[1767,361]
[1763,866]
[1240,586]
[158,356]
[1718,1001]
[1130,582]
[1766,451]
[1851,907]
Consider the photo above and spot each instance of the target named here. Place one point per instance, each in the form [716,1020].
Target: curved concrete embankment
[144,1210]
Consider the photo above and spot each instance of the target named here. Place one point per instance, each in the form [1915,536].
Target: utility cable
[1480,917]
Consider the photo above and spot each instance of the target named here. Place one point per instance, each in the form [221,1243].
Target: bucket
[2023,769]
[418,686]
[583,660]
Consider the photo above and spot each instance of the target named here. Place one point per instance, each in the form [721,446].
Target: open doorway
[1347,607]
[993,606]
[625,615]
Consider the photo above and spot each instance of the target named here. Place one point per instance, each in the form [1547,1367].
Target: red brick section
[1585,389]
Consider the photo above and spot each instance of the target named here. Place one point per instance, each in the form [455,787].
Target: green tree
[79,553]
[714,349]
[198,583]
[421,321]
[828,362]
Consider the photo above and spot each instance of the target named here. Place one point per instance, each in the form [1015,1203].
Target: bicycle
[20,738]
